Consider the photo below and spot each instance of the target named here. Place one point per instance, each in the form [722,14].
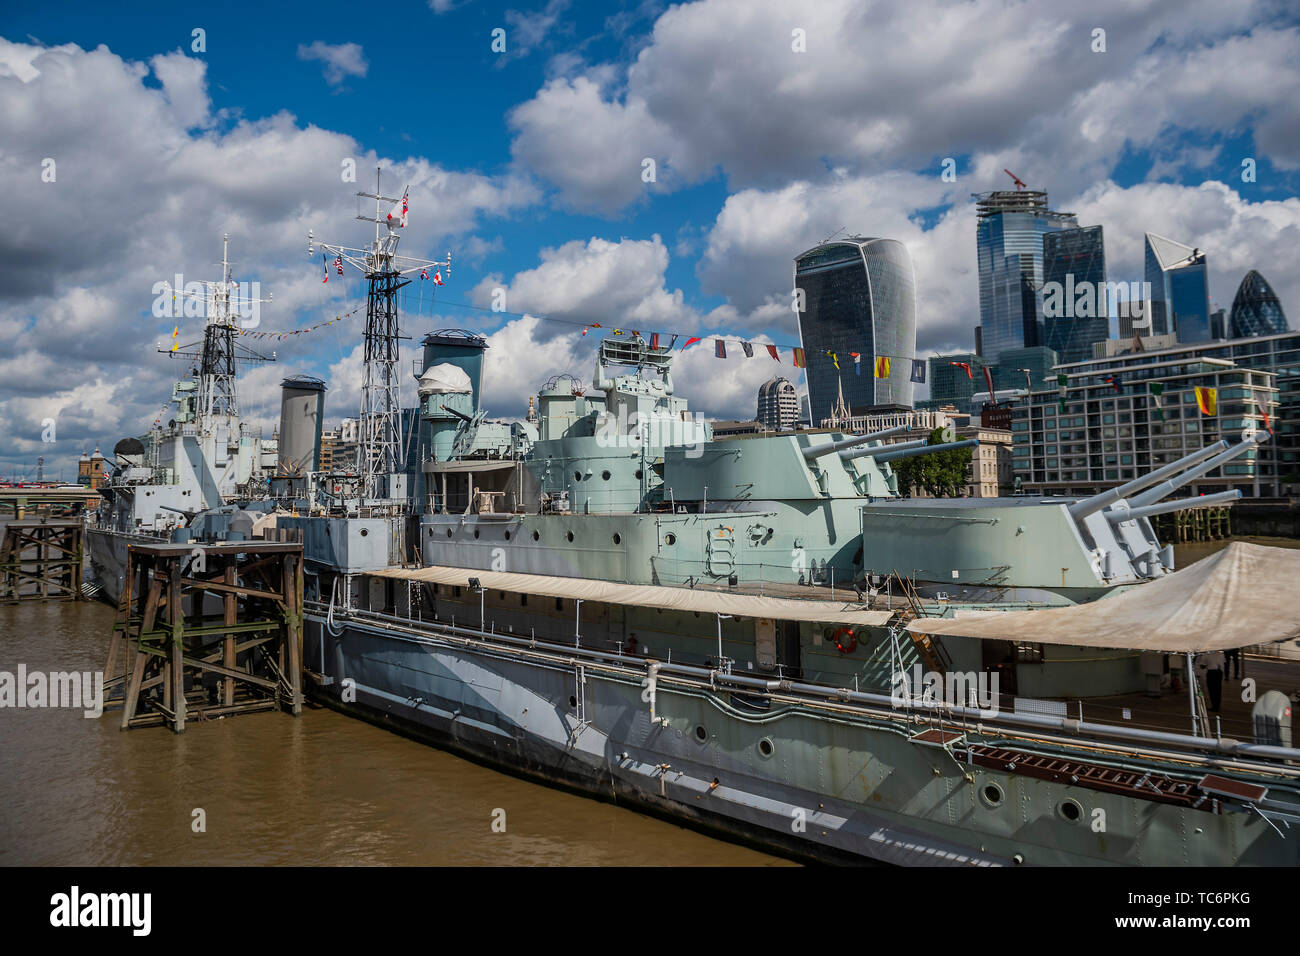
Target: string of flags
[279,336]
[798,356]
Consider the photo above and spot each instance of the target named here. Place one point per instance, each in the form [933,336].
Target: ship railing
[1143,743]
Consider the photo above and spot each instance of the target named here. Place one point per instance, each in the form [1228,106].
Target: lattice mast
[380,452]
[218,353]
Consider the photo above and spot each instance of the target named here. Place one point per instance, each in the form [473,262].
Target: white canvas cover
[444,379]
[1243,595]
[647,595]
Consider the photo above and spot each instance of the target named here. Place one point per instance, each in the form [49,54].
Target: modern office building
[778,404]
[1076,306]
[1256,309]
[1009,234]
[1115,425]
[1180,290]
[859,295]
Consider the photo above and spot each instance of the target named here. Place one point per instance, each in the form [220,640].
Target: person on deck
[1211,663]
[1232,660]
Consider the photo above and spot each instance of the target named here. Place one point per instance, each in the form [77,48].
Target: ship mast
[217,391]
[381,457]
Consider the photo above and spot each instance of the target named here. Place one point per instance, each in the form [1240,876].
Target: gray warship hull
[829,779]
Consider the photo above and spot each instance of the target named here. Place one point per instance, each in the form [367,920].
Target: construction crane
[1019,185]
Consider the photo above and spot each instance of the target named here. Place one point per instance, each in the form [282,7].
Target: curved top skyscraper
[1256,309]
[859,296]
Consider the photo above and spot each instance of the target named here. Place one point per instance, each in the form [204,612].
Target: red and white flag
[397,215]
[338,264]
[424,273]
[437,277]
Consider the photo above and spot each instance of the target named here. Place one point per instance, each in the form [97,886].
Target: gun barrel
[850,453]
[1218,498]
[1166,488]
[813,452]
[461,415]
[1086,506]
[894,455]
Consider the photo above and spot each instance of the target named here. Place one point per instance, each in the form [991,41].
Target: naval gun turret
[1056,550]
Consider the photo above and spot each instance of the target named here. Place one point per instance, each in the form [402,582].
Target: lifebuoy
[846,642]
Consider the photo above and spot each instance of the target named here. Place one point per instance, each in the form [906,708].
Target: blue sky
[525,165]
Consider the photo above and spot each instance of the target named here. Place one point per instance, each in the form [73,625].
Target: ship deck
[1171,711]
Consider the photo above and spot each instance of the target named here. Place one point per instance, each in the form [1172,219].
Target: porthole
[476,532]
[637,475]
[507,535]
[449,532]
[604,476]
[618,538]
[577,476]
[569,536]
[992,795]
[364,532]
[701,734]
[765,747]
[670,538]
[537,536]
[1071,811]
[573,701]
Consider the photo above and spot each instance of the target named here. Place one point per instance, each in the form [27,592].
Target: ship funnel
[896,453]
[1081,509]
[1178,504]
[302,412]
[816,451]
[1166,488]
[852,453]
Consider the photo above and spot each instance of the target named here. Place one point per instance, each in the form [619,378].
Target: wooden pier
[1194,524]
[40,560]
[206,631]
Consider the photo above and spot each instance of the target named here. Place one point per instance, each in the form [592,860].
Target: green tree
[941,473]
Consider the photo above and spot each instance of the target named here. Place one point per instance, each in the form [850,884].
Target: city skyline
[529,166]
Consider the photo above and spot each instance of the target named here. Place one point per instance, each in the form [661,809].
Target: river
[321,789]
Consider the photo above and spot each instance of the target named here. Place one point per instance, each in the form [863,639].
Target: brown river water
[322,789]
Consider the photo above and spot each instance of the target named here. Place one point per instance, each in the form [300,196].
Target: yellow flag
[1208,399]
[176,330]
[882,367]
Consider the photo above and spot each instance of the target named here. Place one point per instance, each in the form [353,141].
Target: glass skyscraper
[1180,289]
[859,296]
[1075,259]
[1256,309]
[1009,242]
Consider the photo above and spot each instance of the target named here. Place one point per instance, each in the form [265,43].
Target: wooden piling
[40,559]
[221,619]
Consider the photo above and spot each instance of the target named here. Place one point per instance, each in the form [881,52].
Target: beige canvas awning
[1245,594]
[647,595]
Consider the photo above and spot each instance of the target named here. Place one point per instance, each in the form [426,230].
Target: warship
[764,637]
[204,454]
